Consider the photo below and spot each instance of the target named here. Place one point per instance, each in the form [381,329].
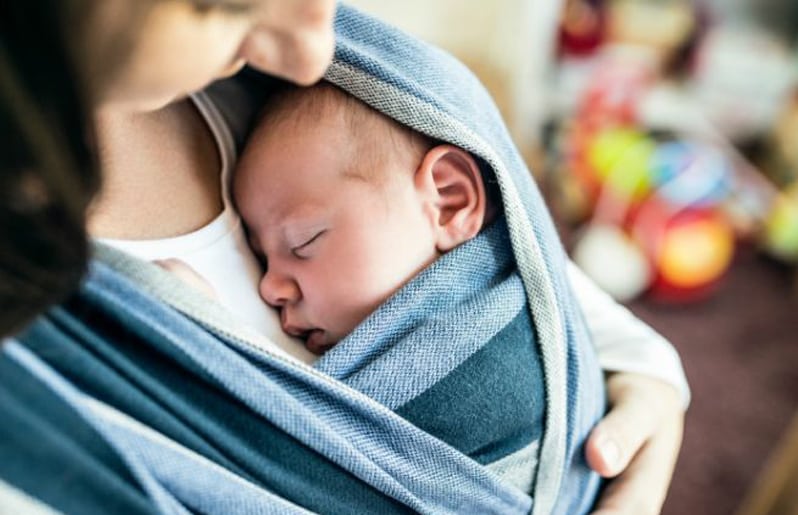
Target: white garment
[218,252]
[623,342]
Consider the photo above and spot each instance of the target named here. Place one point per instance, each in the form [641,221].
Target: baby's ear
[451,182]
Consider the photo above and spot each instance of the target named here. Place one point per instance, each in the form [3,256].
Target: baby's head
[345,205]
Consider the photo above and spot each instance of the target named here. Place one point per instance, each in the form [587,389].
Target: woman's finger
[638,442]
[641,488]
[632,420]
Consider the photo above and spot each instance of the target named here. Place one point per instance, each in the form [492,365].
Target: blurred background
[664,134]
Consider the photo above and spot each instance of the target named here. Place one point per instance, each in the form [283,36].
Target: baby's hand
[188,275]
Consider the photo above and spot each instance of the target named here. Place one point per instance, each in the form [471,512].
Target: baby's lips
[315,342]
[290,328]
[294,331]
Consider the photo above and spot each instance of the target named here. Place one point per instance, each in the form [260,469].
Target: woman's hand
[636,444]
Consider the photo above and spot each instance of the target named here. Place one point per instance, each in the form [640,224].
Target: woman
[133,57]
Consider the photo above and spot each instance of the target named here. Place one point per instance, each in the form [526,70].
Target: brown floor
[740,351]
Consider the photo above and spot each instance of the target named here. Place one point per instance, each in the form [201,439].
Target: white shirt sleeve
[624,342]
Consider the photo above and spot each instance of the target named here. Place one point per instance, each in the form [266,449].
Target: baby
[376,235]
[344,206]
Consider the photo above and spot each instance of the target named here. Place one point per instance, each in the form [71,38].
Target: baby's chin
[319,341]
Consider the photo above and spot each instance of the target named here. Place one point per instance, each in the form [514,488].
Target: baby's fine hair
[376,137]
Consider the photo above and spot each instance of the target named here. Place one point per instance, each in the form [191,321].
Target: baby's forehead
[301,108]
[369,139]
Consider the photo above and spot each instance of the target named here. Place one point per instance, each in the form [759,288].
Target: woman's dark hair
[48,174]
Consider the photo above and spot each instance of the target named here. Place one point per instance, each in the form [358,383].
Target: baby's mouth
[315,341]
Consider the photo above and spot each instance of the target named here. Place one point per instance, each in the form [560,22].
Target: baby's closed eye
[305,249]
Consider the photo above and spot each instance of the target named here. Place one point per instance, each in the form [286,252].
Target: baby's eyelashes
[305,249]
[297,243]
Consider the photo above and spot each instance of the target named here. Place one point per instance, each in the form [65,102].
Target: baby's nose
[279,289]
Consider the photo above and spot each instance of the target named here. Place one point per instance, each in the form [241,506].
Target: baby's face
[335,247]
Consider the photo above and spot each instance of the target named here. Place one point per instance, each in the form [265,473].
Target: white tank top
[219,252]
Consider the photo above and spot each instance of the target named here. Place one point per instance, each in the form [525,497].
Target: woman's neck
[160,174]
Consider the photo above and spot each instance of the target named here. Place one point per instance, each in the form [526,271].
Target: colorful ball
[781,227]
[690,251]
[621,159]
[695,250]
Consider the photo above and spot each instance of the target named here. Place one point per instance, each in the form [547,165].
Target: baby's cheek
[352,298]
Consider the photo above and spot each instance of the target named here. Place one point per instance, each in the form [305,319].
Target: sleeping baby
[344,206]
[382,247]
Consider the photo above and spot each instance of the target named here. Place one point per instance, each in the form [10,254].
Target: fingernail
[610,452]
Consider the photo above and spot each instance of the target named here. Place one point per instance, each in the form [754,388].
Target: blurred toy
[621,161]
[689,239]
[780,232]
[689,248]
[691,173]
[615,262]
[582,27]
[664,27]
[781,160]
[678,257]
[620,77]
[657,223]
[608,49]
[781,228]
[648,154]
[694,251]
[604,125]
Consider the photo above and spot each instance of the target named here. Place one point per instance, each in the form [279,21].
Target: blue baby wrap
[136,397]
[453,352]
